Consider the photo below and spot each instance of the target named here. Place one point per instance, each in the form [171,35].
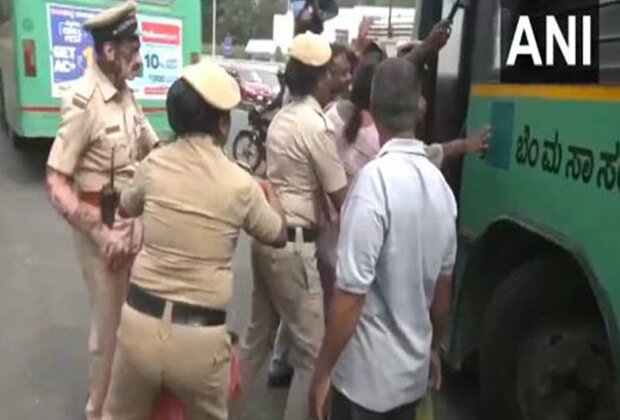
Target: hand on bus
[479,142]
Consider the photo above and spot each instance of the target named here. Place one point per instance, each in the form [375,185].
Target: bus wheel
[544,354]
[564,372]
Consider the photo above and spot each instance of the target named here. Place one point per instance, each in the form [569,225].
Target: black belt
[182,313]
[308,235]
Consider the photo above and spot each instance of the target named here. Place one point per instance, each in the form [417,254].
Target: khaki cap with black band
[116,23]
[311,49]
[213,84]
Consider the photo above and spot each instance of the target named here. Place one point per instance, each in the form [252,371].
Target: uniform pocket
[223,354]
[201,349]
[114,138]
[307,255]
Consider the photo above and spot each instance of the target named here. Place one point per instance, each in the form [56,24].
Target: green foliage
[243,19]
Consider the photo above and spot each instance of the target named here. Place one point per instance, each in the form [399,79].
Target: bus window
[448,112]
[486,60]
[450,55]
[610,42]
[486,63]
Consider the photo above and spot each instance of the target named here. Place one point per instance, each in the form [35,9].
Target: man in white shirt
[396,255]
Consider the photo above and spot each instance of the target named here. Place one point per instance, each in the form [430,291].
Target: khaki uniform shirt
[97,118]
[194,202]
[302,161]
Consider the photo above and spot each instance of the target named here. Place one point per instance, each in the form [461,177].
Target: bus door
[446,79]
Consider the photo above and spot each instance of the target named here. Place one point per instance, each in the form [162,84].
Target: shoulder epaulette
[83,92]
[328,124]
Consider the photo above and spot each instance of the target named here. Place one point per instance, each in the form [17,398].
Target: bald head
[395,95]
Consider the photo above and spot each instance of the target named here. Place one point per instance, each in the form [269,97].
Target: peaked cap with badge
[114,24]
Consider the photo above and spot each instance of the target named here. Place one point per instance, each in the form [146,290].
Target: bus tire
[544,352]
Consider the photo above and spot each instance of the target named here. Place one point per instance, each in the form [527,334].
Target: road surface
[44,313]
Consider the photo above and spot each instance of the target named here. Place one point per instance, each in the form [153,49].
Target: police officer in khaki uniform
[100,118]
[302,165]
[194,203]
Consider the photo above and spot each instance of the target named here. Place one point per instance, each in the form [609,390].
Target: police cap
[116,23]
[311,49]
[213,84]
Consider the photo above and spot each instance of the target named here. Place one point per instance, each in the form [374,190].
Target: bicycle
[249,147]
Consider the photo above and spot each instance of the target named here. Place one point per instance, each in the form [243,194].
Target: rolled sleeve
[361,238]
[434,152]
[72,138]
[149,138]
[133,196]
[261,221]
[327,163]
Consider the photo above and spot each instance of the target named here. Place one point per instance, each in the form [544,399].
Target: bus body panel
[31,109]
[7,69]
[554,163]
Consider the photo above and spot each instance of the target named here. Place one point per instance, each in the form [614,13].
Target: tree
[236,18]
[264,17]
[207,19]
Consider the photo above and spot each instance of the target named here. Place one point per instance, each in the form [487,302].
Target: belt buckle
[187,318]
[299,238]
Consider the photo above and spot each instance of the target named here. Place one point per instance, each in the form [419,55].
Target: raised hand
[439,36]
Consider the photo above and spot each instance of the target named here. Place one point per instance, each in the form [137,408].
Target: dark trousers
[344,409]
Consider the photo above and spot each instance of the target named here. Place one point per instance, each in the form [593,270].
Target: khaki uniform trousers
[193,362]
[286,287]
[107,291]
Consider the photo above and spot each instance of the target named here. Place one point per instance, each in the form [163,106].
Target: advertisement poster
[162,53]
[71,51]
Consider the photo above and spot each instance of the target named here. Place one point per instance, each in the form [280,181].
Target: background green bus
[537,294]
[43,49]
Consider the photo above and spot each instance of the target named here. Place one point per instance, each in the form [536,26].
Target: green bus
[44,49]
[537,289]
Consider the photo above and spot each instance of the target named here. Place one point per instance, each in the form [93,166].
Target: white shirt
[398,235]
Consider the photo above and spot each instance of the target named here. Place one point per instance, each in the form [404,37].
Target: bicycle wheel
[246,150]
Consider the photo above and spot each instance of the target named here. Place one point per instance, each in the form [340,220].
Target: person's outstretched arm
[432,44]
